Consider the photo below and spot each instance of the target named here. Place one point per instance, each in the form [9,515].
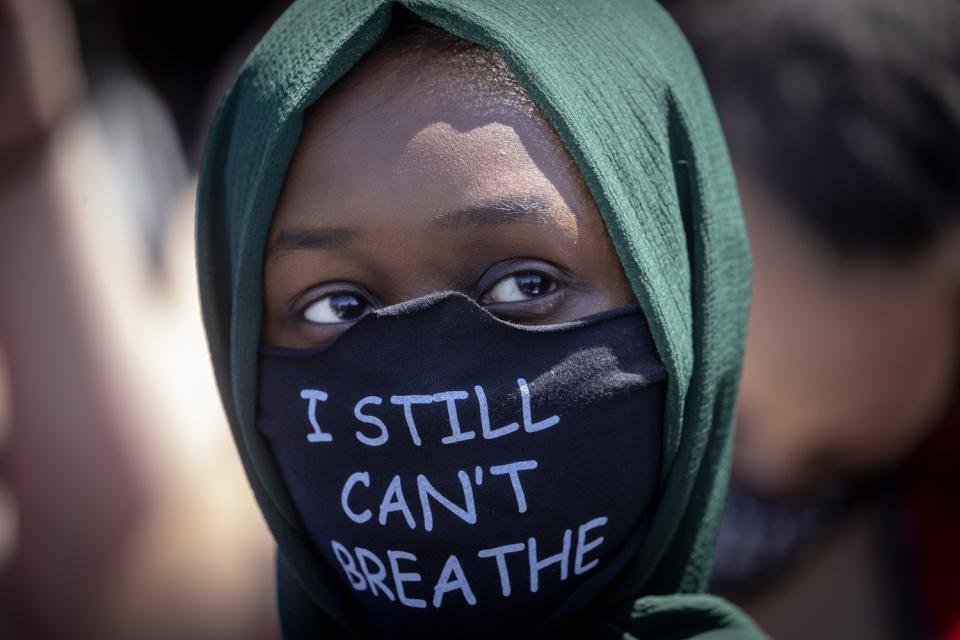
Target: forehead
[426,130]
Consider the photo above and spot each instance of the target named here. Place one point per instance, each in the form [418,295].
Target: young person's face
[411,178]
[849,365]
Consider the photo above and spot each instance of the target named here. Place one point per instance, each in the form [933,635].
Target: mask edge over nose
[447,298]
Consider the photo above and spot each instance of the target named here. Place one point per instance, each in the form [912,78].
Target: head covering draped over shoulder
[618,82]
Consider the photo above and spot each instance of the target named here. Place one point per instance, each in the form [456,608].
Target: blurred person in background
[65,462]
[843,119]
[125,517]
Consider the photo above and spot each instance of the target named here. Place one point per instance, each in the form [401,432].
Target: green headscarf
[619,83]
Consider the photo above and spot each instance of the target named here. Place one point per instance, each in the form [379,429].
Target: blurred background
[124,512]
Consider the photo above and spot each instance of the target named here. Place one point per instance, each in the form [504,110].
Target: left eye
[518,287]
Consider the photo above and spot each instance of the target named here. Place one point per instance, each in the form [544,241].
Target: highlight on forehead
[411,44]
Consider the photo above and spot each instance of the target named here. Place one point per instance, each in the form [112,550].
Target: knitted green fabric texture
[620,85]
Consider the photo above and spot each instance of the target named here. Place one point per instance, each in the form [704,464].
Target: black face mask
[761,538]
[463,475]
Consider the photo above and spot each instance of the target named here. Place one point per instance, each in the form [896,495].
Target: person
[120,514]
[475,281]
[844,126]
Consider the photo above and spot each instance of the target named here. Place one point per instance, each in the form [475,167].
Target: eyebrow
[529,208]
[310,238]
[523,209]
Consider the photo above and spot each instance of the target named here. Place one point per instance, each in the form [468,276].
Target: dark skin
[411,178]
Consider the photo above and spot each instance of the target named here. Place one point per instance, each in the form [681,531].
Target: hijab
[620,85]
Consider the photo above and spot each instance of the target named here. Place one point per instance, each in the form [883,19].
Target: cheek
[821,397]
[908,377]
[915,391]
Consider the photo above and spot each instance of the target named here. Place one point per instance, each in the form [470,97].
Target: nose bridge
[426,277]
[417,262]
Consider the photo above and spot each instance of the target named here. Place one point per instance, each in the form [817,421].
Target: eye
[336,308]
[519,287]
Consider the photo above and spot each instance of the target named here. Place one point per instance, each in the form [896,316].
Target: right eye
[335,308]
